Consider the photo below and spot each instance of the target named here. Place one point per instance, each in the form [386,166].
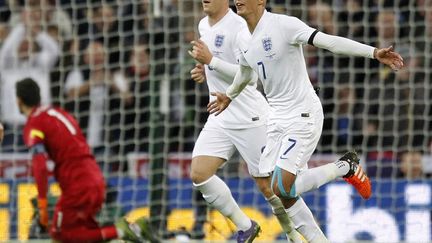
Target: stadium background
[121,67]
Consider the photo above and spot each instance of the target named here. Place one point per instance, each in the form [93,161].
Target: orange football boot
[356,176]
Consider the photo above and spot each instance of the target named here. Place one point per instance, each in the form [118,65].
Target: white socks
[218,195]
[342,167]
[281,215]
[314,178]
[284,221]
[305,223]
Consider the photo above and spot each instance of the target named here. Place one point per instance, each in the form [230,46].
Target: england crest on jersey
[267,43]
[219,40]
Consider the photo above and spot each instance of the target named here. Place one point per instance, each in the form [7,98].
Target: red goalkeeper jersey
[65,145]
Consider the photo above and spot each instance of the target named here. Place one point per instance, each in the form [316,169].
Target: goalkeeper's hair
[28,91]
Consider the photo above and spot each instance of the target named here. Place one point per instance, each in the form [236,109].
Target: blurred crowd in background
[115,64]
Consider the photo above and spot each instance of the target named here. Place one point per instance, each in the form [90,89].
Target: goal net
[121,67]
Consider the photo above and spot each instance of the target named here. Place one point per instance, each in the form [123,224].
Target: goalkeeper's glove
[43,212]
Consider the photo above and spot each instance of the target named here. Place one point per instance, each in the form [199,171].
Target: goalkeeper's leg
[78,225]
[74,218]
[124,231]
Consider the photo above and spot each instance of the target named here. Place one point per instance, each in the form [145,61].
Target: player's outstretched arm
[389,57]
[341,45]
[1,132]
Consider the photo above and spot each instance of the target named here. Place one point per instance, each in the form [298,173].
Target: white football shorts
[222,143]
[291,144]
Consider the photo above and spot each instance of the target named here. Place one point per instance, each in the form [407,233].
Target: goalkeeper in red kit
[52,133]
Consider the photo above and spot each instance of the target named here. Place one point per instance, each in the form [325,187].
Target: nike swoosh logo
[245,51]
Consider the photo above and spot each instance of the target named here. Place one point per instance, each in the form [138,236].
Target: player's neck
[27,111]
[253,19]
[214,18]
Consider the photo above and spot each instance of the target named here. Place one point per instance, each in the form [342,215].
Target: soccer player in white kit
[295,121]
[241,127]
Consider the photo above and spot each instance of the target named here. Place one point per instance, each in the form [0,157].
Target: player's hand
[218,105]
[43,212]
[198,73]
[200,52]
[1,132]
[389,57]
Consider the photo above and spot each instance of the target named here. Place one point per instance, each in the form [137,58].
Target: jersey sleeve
[33,134]
[34,138]
[295,30]
[341,45]
[239,48]
[40,171]
[242,60]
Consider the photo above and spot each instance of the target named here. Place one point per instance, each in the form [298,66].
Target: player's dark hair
[28,91]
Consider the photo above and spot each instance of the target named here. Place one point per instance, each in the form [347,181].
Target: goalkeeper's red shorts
[76,209]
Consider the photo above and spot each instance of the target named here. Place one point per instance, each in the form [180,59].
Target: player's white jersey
[275,52]
[250,108]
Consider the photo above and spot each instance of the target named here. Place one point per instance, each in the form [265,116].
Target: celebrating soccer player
[52,133]
[274,51]
[241,127]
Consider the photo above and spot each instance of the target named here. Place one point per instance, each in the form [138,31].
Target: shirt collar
[261,21]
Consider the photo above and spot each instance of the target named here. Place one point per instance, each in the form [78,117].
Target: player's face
[211,7]
[248,7]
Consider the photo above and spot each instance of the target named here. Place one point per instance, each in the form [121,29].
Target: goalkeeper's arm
[40,173]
